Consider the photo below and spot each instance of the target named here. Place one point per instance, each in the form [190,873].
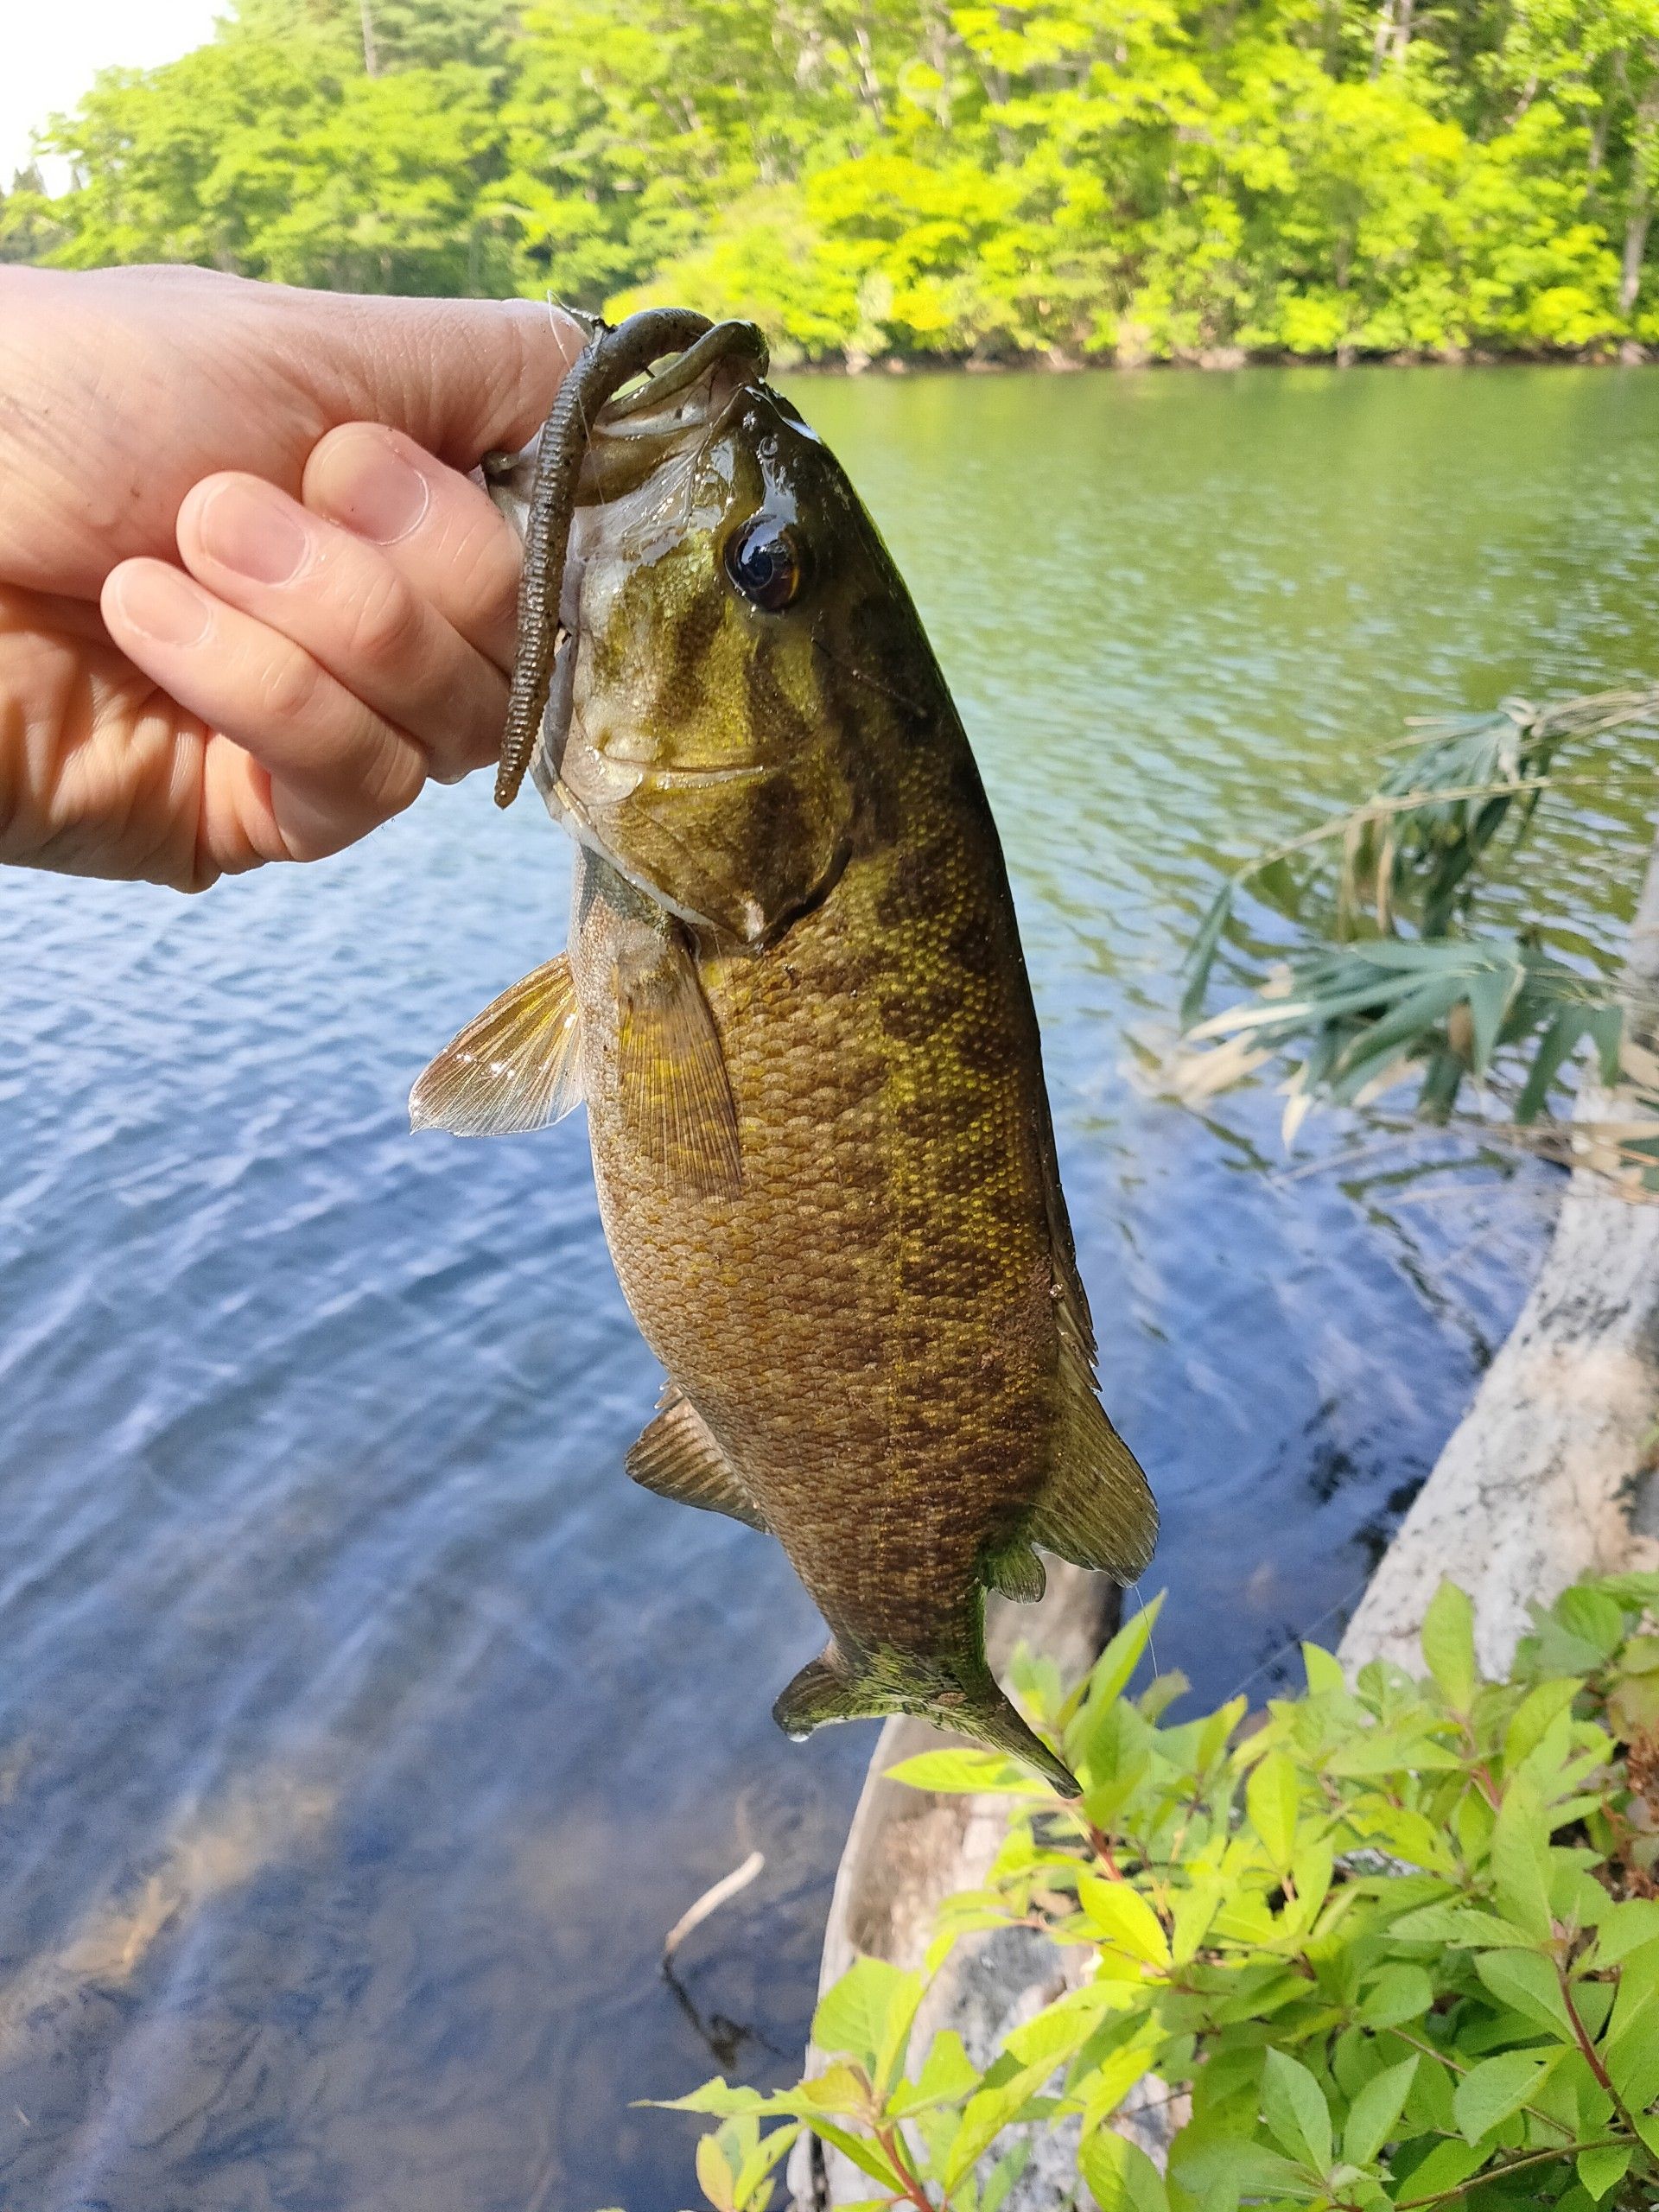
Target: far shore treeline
[1049,180]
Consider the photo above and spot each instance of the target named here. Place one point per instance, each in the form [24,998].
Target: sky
[54,48]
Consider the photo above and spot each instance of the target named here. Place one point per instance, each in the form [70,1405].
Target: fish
[794,1004]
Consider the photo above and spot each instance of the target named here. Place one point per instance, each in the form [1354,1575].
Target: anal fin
[678,1457]
[514,1067]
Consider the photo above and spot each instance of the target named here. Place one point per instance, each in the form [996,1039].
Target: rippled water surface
[362,1729]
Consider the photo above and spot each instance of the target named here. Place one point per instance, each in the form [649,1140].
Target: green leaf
[1201,958]
[1460,1925]
[1372,2115]
[1003,2175]
[766,2153]
[1488,2093]
[715,2096]
[1520,1864]
[1060,2029]
[1604,2166]
[1273,1797]
[1123,1920]
[1449,1645]
[1555,1047]
[1105,2089]
[1231,2162]
[1121,2176]
[1627,1928]
[1445,2168]
[1594,1616]
[1535,1717]
[715,2176]
[867,2156]
[1630,2053]
[983,2117]
[947,2075]
[1294,2106]
[1528,1982]
[1324,1671]
[842,2089]
[894,2045]
[1490,995]
[968,1774]
[853,2015]
[1639,1986]
[1109,1677]
[1399,1993]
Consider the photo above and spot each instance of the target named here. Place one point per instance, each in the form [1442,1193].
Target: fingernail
[375,491]
[164,604]
[253,529]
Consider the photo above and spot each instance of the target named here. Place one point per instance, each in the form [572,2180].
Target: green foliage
[1395,1945]
[1080,179]
[1408,986]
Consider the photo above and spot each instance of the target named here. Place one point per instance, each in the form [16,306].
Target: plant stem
[1100,1843]
[1513,2166]
[1459,2066]
[891,2146]
[1592,2057]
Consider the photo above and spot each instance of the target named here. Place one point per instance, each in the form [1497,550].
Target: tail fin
[964,1698]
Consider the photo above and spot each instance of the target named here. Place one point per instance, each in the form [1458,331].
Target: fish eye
[764,562]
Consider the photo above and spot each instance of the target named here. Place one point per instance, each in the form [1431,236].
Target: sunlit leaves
[1379,1942]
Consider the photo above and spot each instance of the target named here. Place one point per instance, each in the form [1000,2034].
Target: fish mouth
[665,776]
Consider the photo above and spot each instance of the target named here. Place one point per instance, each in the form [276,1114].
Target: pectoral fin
[516,1067]
[674,1091]
[678,1457]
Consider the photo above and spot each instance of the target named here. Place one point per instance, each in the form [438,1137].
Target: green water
[363,1729]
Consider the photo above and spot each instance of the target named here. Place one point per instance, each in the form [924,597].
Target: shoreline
[1219,360]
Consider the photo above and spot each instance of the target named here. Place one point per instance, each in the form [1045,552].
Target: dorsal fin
[678,1457]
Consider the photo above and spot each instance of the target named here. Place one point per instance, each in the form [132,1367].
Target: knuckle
[288,687]
[392,777]
[385,624]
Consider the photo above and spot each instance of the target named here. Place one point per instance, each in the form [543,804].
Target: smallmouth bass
[795,1004]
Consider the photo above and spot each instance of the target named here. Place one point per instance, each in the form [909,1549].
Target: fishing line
[1305,1636]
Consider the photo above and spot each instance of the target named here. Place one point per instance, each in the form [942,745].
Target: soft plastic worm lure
[611,360]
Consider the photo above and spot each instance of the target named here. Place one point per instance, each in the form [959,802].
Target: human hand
[343,623]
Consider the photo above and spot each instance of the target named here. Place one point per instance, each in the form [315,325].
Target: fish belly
[866,1324]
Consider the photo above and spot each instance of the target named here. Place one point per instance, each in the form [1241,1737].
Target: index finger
[440,529]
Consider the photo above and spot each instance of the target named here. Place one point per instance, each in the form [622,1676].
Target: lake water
[362,1729]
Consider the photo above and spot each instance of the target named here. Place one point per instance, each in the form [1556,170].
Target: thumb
[462,378]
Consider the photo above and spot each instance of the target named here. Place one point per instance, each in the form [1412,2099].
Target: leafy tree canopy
[1081,179]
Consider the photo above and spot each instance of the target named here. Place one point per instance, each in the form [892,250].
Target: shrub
[1394,1944]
